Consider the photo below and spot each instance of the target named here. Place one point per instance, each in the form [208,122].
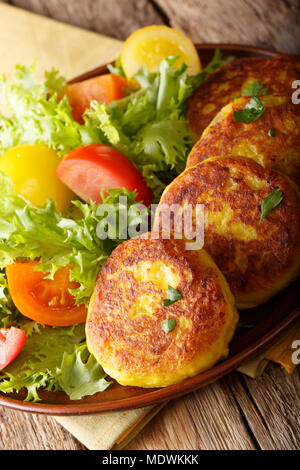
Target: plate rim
[174,391]
[161,394]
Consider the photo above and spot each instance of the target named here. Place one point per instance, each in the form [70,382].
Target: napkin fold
[109,430]
[25,36]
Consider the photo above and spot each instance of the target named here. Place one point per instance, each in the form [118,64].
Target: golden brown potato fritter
[257,258]
[280,150]
[227,83]
[126,314]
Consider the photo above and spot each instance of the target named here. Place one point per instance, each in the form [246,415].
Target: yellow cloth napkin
[23,37]
[109,430]
[281,352]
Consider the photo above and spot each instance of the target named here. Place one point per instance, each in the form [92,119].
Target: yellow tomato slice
[150,45]
[32,170]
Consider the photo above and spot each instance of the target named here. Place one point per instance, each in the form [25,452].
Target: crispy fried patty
[227,83]
[257,258]
[280,151]
[126,313]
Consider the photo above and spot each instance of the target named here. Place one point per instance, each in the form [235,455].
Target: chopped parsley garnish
[172,296]
[270,202]
[254,109]
[271,133]
[242,325]
[254,88]
[168,325]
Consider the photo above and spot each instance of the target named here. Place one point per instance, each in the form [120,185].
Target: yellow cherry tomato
[32,170]
[150,45]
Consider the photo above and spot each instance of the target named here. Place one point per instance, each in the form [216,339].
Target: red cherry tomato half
[90,169]
[47,301]
[12,341]
[105,89]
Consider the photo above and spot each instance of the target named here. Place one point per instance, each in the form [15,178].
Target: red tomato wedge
[46,301]
[90,169]
[105,89]
[12,341]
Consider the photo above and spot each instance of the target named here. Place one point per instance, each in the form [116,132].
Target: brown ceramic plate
[268,322]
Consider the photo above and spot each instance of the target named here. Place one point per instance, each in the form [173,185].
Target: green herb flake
[254,109]
[172,296]
[271,133]
[243,325]
[168,325]
[254,88]
[270,202]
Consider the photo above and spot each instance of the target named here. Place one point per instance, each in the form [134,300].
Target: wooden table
[236,412]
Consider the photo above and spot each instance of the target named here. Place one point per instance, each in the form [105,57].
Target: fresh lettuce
[80,374]
[148,125]
[38,113]
[55,359]
[9,315]
[31,232]
[37,363]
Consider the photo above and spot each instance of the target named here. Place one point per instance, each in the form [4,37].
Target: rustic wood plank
[276,397]
[236,413]
[207,419]
[262,22]
[116,18]
[234,21]
[25,431]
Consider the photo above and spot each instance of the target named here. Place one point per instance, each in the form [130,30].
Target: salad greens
[148,125]
[31,232]
[56,359]
[80,374]
[8,312]
[36,114]
[150,128]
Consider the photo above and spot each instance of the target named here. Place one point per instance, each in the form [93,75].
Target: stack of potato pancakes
[162,312]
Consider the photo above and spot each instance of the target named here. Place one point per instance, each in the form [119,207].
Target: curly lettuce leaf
[149,125]
[9,316]
[80,374]
[31,232]
[38,114]
[216,62]
[36,365]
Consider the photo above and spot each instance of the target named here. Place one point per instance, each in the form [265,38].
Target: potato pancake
[258,258]
[128,325]
[227,83]
[273,140]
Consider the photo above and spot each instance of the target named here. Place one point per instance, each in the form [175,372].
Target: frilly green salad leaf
[8,313]
[80,374]
[39,113]
[31,232]
[36,115]
[149,125]
[55,359]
